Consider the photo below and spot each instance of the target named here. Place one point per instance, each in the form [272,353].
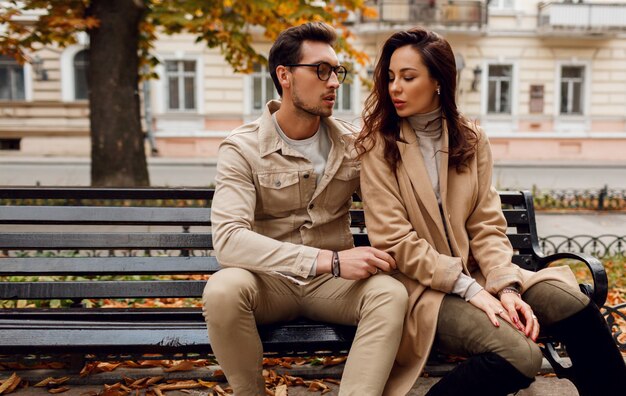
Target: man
[281,227]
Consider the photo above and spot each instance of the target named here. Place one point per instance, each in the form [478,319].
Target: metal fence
[604,199]
[602,246]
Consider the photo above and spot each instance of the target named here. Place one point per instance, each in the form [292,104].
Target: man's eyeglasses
[325,70]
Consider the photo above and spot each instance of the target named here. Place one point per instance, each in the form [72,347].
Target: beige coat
[403,218]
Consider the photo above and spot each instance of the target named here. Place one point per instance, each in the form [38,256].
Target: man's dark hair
[287,47]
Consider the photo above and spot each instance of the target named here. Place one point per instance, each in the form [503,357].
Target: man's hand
[357,263]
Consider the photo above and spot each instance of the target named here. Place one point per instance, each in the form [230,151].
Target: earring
[438,91]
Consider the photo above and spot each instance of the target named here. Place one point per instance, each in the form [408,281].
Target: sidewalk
[545,384]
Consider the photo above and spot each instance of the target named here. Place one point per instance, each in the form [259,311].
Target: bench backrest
[136,242]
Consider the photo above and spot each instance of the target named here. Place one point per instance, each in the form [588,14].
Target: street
[175,172]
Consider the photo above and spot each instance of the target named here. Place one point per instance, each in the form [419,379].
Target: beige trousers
[465,330]
[236,300]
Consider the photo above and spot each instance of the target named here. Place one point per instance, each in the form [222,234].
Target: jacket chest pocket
[279,192]
[344,184]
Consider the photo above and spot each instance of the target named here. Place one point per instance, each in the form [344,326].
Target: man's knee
[388,295]
[227,292]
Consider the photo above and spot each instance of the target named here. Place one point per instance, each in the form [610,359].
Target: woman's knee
[523,354]
[553,301]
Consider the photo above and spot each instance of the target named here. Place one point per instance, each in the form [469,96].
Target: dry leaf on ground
[10,384]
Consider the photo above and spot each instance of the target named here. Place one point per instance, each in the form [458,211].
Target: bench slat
[525,261]
[100,193]
[90,241]
[520,241]
[105,215]
[515,217]
[512,197]
[51,337]
[361,240]
[100,289]
[81,266]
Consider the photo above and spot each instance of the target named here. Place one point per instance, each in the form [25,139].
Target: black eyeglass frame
[333,69]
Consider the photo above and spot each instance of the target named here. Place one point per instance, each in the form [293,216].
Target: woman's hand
[513,304]
[490,305]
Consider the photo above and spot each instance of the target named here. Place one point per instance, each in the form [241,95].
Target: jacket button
[277,184]
[306,175]
[311,206]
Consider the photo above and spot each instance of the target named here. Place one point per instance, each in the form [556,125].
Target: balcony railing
[428,13]
[587,18]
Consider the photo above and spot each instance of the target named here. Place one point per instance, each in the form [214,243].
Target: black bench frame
[98,333]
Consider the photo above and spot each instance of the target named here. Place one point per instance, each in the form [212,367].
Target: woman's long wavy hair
[380,117]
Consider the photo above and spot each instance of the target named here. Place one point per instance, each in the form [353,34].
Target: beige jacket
[267,213]
[403,218]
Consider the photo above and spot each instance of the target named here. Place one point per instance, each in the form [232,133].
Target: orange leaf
[207,384]
[179,385]
[185,365]
[58,390]
[10,384]
[106,367]
[153,380]
[281,390]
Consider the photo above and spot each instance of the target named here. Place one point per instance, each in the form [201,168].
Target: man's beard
[318,111]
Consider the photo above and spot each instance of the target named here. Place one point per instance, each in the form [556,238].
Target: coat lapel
[413,163]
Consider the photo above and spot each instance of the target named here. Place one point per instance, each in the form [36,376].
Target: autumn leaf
[184,365]
[207,384]
[58,390]
[10,384]
[179,385]
[281,390]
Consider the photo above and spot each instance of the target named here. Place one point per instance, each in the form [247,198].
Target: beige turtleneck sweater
[429,130]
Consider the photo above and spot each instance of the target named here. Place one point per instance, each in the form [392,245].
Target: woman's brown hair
[380,117]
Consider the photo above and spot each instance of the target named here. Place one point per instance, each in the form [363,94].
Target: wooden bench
[107,244]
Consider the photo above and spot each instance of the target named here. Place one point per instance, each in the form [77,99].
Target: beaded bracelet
[336,268]
[509,289]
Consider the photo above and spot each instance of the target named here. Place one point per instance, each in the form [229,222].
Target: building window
[502,4]
[572,80]
[10,144]
[81,66]
[343,101]
[500,80]
[263,89]
[181,85]
[11,79]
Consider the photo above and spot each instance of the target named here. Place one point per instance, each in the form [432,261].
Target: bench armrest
[600,280]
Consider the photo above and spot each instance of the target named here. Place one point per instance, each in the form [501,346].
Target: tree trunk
[118,157]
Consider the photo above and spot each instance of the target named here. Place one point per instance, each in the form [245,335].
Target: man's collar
[270,141]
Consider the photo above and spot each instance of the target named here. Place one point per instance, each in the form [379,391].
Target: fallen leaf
[43,382]
[10,384]
[185,365]
[179,385]
[218,389]
[106,367]
[332,381]
[58,390]
[281,390]
[207,384]
[153,380]
[331,361]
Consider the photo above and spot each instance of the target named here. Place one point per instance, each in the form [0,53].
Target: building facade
[546,80]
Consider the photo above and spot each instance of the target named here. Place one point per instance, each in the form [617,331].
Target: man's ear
[283,76]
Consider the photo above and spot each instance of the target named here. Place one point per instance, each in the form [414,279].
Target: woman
[428,200]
